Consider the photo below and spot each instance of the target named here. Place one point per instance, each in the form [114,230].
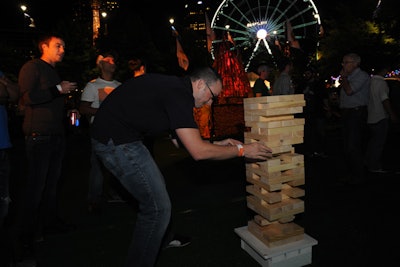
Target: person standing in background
[315,113]
[379,113]
[354,94]
[137,66]
[92,96]
[260,88]
[283,84]
[8,94]
[42,95]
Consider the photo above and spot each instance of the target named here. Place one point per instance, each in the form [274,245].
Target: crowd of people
[144,106]
[126,116]
[362,105]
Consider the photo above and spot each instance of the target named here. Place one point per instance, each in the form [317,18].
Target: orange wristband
[240,150]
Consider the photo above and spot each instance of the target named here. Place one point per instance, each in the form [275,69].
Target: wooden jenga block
[260,220]
[268,187]
[273,99]
[291,191]
[275,123]
[275,211]
[275,177]
[261,193]
[264,166]
[258,118]
[274,111]
[278,140]
[276,234]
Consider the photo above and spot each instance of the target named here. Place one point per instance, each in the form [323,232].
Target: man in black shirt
[149,105]
[42,98]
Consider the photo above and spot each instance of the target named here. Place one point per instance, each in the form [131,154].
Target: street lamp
[104,16]
[24,8]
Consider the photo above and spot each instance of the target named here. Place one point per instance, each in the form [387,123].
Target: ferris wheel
[259,28]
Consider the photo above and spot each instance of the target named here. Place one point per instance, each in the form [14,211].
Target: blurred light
[261,34]
[171,20]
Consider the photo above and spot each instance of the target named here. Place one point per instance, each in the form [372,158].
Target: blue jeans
[133,165]
[96,179]
[45,156]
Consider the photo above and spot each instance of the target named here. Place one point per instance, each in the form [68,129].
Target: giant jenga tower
[273,191]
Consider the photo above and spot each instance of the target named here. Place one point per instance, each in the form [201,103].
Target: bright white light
[171,20]
[104,14]
[261,34]
[23,8]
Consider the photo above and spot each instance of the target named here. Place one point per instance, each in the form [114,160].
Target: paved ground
[353,226]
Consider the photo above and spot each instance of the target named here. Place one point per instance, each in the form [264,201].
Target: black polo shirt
[147,105]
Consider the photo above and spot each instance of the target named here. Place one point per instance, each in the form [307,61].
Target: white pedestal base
[294,254]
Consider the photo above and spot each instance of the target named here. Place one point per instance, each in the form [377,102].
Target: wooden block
[292,157]
[276,234]
[268,187]
[287,219]
[297,182]
[261,193]
[292,192]
[260,220]
[272,99]
[267,178]
[276,211]
[275,178]
[257,118]
[274,105]
[274,111]
[278,140]
[262,165]
[275,123]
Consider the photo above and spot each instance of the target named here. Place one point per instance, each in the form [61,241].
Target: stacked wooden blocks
[273,184]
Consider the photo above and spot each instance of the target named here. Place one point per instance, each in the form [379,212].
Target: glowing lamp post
[104,16]
[24,8]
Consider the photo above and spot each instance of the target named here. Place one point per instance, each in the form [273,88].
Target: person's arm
[201,149]
[29,83]
[388,107]
[86,108]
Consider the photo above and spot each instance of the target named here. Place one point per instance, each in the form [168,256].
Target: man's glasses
[213,97]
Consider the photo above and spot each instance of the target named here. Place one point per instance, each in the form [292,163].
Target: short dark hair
[135,63]
[207,74]
[45,39]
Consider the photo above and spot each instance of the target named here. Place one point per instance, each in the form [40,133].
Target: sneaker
[179,241]
[321,155]
[378,171]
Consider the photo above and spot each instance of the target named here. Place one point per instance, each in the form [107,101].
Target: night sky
[47,12]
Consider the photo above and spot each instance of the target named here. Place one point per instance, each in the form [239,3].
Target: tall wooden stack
[274,192]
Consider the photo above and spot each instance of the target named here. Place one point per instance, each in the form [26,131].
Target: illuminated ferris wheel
[257,28]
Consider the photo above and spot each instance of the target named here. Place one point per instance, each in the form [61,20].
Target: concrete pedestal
[294,254]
